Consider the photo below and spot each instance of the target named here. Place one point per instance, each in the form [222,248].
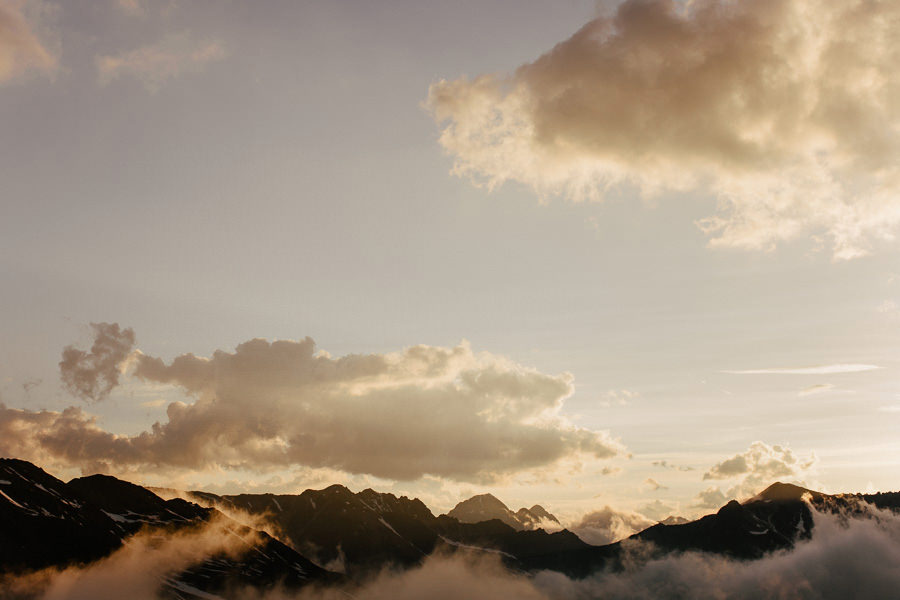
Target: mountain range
[334,535]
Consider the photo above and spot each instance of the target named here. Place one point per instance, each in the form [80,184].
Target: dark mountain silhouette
[775,519]
[45,522]
[674,520]
[367,531]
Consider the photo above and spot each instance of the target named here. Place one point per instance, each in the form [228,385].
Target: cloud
[656,510]
[846,558]
[654,485]
[712,498]
[139,567]
[617,398]
[819,388]
[155,64]
[820,370]
[21,51]
[447,412]
[609,525]
[92,375]
[756,468]
[784,110]
[667,465]
[130,7]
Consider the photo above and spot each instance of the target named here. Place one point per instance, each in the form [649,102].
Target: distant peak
[782,492]
[542,513]
[337,488]
[485,507]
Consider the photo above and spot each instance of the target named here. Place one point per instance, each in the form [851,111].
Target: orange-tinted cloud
[21,51]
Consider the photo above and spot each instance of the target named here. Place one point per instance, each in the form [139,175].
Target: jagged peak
[542,513]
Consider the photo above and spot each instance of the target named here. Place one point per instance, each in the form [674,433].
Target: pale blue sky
[294,186]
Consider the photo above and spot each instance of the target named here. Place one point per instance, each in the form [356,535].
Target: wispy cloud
[820,370]
[156,64]
[819,388]
[21,51]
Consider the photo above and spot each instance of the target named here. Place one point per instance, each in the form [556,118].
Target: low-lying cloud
[448,412]
[846,558]
[139,568]
[784,110]
[609,525]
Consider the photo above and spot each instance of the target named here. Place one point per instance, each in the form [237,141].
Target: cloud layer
[447,412]
[784,110]
[846,558]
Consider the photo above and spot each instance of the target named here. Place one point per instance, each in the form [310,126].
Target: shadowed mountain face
[367,531]
[775,519]
[45,522]
[485,507]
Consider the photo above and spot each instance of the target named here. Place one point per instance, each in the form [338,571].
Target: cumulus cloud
[91,375]
[756,468]
[448,412]
[609,525]
[21,50]
[784,110]
[656,510]
[712,498]
[654,485]
[155,64]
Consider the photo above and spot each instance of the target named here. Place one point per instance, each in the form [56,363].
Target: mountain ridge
[46,522]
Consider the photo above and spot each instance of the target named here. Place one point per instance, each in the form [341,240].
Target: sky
[635,255]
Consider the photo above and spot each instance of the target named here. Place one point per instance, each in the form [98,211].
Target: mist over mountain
[202,543]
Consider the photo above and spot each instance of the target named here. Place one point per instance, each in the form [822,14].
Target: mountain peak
[485,507]
[782,492]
